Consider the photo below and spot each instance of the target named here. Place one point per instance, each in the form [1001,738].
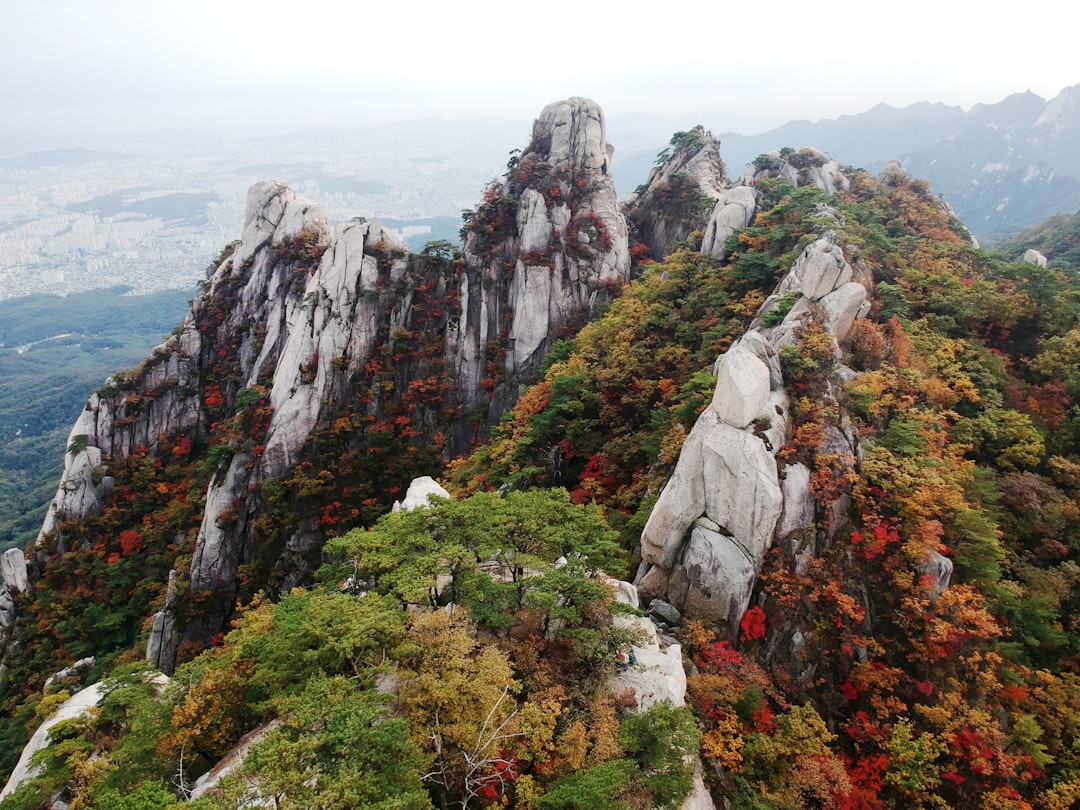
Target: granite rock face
[729,499]
[680,192]
[742,387]
[819,270]
[13,570]
[541,252]
[656,675]
[734,209]
[78,704]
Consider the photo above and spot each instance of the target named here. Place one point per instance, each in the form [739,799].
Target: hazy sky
[88,65]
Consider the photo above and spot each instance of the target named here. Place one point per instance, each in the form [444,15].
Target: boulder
[742,389]
[727,475]
[231,761]
[658,674]
[843,306]
[756,344]
[733,210]
[819,270]
[625,592]
[419,493]
[1032,256]
[742,494]
[938,569]
[664,612]
[892,166]
[13,570]
[651,581]
[721,577]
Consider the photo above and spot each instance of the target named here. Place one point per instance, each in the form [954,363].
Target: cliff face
[542,249]
[308,336]
[681,193]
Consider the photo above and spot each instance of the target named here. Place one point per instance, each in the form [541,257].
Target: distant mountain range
[75,156]
[1002,166]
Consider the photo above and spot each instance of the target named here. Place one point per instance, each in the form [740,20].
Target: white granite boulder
[1032,256]
[734,210]
[419,494]
[938,569]
[819,270]
[842,306]
[725,474]
[720,575]
[742,387]
[13,570]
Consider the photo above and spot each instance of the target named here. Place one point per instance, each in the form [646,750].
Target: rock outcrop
[655,675]
[728,499]
[419,493]
[13,581]
[680,192]
[807,167]
[1032,256]
[734,209]
[13,571]
[79,704]
[540,252]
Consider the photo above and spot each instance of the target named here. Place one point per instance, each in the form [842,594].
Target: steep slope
[1057,238]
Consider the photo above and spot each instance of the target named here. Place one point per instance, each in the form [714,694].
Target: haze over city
[75,69]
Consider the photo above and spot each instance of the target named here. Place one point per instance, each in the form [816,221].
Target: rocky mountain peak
[681,191]
[1061,115]
[308,335]
[572,132]
[541,250]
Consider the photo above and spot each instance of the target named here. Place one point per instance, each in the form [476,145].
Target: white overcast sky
[88,65]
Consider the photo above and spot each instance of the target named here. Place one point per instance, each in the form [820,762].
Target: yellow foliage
[723,744]
[1063,795]
[571,750]
[49,704]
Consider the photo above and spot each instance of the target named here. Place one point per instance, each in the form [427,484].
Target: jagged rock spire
[543,246]
[278,341]
[680,192]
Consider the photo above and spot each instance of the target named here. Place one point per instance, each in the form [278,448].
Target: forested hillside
[52,351]
[911,642]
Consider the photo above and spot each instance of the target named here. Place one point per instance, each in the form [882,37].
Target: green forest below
[54,351]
